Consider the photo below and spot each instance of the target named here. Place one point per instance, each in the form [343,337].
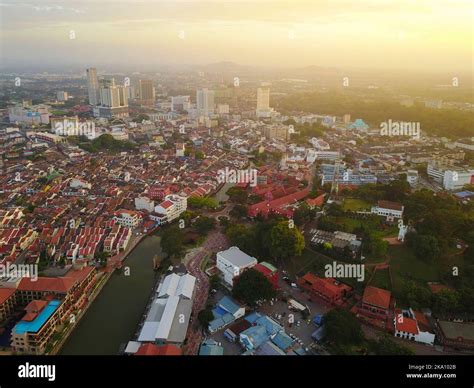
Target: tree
[446,302]
[285,242]
[241,236]
[204,224]
[417,296]
[303,214]
[172,241]
[252,286]
[238,211]
[342,328]
[425,247]
[385,346]
[205,316]
[237,195]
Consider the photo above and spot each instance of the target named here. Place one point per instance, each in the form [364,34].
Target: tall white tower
[205,102]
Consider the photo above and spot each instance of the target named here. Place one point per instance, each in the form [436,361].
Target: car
[294,285]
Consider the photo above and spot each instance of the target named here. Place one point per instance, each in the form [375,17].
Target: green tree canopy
[252,286]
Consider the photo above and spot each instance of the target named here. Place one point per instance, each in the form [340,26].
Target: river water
[113,317]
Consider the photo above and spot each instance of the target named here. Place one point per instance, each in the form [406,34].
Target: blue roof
[228,318]
[319,333]
[252,318]
[269,324]
[216,324]
[257,335]
[218,312]
[464,194]
[318,319]
[36,324]
[211,348]
[228,305]
[269,349]
[282,340]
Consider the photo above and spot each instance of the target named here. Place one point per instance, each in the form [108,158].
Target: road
[216,241]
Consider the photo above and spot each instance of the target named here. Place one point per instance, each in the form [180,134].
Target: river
[113,317]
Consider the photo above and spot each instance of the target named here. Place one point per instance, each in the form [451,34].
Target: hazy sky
[416,34]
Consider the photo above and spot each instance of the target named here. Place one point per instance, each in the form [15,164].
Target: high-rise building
[263,102]
[146,92]
[112,95]
[61,96]
[180,103]
[93,86]
[205,102]
[113,100]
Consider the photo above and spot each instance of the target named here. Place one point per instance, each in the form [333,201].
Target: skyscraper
[146,92]
[263,102]
[92,86]
[112,95]
[113,99]
[205,102]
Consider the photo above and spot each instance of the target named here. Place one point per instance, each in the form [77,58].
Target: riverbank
[113,317]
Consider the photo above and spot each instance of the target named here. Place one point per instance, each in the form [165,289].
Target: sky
[385,34]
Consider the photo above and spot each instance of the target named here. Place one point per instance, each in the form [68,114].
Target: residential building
[128,218]
[171,208]
[144,203]
[375,304]
[205,102]
[412,325]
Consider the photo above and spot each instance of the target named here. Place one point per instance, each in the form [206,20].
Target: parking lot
[300,330]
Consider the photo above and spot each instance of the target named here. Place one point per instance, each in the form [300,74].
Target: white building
[455,179]
[78,183]
[168,318]
[412,326]
[388,209]
[144,203]
[412,177]
[33,115]
[180,148]
[467,144]
[327,155]
[205,102]
[171,208]
[232,262]
[128,218]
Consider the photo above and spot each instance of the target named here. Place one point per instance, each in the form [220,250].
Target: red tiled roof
[5,293]
[390,205]
[154,350]
[47,284]
[35,306]
[406,324]
[377,297]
